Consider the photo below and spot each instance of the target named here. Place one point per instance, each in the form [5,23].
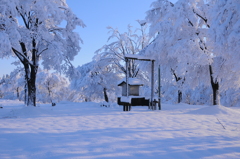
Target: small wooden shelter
[133,85]
[130,88]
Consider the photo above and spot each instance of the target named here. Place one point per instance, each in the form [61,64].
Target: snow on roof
[138,57]
[131,81]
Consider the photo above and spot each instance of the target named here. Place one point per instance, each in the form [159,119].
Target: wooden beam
[138,57]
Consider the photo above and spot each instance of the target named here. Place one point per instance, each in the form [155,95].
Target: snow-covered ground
[86,130]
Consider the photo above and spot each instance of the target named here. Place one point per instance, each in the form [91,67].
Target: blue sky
[97,15]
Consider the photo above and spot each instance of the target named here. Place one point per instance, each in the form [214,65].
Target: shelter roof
[132,82]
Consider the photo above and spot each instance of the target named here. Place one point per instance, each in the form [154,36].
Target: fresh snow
[86,130]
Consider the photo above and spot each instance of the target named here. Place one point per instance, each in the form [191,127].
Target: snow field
[86,130]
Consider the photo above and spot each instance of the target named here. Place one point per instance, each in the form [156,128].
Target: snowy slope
[86,130]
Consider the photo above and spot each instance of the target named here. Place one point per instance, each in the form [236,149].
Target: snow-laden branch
[204,19]
[40,52]
[21,56]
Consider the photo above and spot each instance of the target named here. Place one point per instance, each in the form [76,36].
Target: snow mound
[213,110]
[29,111]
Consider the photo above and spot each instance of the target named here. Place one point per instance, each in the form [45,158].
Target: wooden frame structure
[151,102]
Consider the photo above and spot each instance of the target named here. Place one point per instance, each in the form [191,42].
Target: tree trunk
[31,100]
[178,79]
[49,92]
[179,96]
[30,72]
[105,94]
[25,91]
[18,94]
[215,88]
[30,89]
[32,76]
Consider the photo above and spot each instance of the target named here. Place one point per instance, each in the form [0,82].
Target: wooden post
[159,87]
[127,107]
[152,85]
[127,77]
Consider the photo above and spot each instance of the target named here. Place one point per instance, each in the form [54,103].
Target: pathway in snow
[86,130]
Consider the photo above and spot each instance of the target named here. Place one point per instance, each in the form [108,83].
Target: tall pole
[127,91]
[152,84]
[159,87]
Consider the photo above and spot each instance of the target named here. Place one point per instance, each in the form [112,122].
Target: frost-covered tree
[96,81]
[202,37]
[230,97]
[219,38]
[181,31]
[166,31]
[79,82]
[13,85]
[38,31]
[224,43]
[51,87]
[2,81]
[129,42]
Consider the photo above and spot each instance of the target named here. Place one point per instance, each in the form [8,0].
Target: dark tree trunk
[18,96]
[30,90]
[105,94]
[178,79]
[215,87]
[26,69]
[25,91]
[31,69]
[32,86]
[33,75]
[179,96]
[50,93]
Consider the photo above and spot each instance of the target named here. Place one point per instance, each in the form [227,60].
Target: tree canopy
[39,30]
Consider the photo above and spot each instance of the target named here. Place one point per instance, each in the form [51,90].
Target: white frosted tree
[198,41]
[51,87]
[2,81]
[96,81]
[181,32]
[13,85]
[38,31]
[224,43]
[79,82]
[130,42]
